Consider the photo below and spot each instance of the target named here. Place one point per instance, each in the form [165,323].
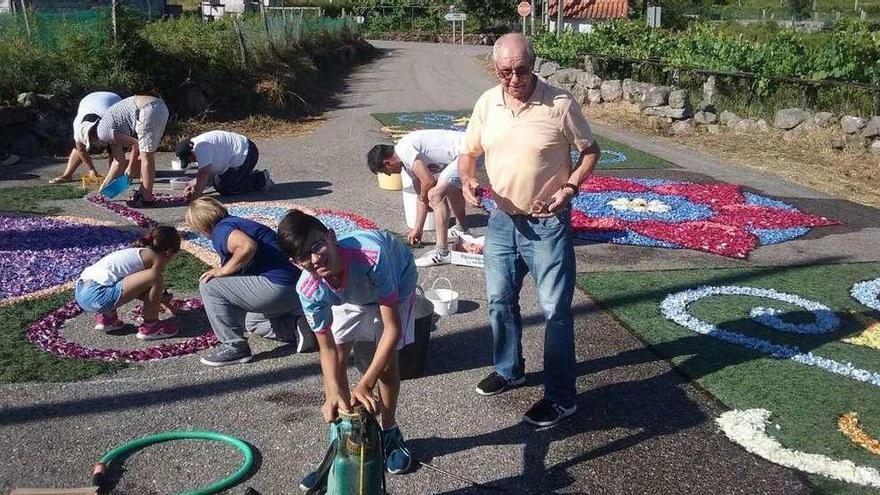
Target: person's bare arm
[241,250]
[467,170]
[363,391]
[336,395]
[202,177]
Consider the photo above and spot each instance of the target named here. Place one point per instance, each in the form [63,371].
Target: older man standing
[526,128]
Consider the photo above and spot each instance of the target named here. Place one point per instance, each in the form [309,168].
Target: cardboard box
[466,259]
[460,255]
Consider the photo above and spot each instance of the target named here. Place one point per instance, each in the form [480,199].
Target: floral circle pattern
[714,217]
[47,334]
[674,308]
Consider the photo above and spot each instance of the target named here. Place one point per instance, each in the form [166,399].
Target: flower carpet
[715,217]
[40,255]
[614,155]
[792,350]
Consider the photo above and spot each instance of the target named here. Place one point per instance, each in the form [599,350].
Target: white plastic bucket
[445,301]
[176,164]
[411,201]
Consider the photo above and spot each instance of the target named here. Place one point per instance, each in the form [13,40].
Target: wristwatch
[569,185]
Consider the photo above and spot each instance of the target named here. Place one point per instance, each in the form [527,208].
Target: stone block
[851,124]
[789,118]
[611,90]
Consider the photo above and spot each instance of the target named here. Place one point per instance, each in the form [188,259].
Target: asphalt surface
[640,428]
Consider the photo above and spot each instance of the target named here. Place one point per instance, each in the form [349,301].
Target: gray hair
[530,51]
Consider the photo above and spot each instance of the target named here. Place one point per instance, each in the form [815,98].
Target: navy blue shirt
[269,261]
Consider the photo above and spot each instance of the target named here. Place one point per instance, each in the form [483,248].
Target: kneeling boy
[359,287]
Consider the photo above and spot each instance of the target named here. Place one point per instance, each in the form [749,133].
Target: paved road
[641,428]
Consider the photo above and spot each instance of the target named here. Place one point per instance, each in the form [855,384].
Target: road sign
[524,9]
[455,16]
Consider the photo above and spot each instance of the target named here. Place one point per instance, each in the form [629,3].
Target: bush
[73,56]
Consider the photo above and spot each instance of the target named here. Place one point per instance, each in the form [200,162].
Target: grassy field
[805,401]
[29,199]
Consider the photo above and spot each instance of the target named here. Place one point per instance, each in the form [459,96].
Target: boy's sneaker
[434,258]
[156,330]
[228,355]
[397,457]
[305,337]
[456,231]
[108,322]
[546,413]
[268,183]
[495,384]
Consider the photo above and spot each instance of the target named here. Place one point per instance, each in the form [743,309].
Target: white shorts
[150,125]
[363,323]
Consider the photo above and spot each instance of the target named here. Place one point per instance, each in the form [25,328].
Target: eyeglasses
[520,72]
[316,248]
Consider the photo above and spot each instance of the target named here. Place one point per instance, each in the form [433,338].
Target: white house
[579,15]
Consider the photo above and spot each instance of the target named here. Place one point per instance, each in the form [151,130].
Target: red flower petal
[599,183]
[714,195]
[711,237]
[580,221]
[763,217]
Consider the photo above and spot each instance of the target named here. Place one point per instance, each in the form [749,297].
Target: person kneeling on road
[359,287]
[252,289]
[225,160]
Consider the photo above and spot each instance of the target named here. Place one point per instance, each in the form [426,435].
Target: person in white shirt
[128,274]
[430,158]
[225,160]
[90,109]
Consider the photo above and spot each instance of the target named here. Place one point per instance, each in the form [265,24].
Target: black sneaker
[309,482]
[495,384]
[305,337]
[546,413]
[228,355]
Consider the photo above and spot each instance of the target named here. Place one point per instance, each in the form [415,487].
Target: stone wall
[671,108]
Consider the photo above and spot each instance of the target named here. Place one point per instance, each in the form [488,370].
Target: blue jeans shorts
[97,298]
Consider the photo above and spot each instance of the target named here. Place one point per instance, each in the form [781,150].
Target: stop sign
[524,9]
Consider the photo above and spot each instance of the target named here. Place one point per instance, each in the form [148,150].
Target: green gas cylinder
[359,465]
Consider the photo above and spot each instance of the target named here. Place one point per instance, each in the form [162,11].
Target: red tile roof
[591,9]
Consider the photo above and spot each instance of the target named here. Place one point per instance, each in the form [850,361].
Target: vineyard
[848,52]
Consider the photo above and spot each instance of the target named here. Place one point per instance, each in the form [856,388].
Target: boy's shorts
[363,323]
[97,298]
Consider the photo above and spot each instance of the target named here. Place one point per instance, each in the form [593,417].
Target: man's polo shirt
[528,155]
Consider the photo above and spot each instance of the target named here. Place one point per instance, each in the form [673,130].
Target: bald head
[513,45]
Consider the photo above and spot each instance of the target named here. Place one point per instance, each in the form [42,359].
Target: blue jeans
[516,244]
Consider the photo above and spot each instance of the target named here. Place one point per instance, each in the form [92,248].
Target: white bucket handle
[442,278]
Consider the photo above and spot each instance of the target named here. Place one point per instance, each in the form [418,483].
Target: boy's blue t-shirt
[379,269]
[269,261]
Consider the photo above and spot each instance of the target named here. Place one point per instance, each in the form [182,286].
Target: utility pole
[560,7]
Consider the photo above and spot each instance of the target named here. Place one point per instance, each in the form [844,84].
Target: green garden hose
[219,485]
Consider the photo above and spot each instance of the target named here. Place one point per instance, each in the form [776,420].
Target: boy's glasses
[316,248]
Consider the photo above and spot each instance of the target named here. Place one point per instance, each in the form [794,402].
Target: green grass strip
[805,401]
[21,361]
[635,159]
[29,199]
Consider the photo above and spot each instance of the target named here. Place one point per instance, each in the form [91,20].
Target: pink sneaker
[156,330]
[108,322]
